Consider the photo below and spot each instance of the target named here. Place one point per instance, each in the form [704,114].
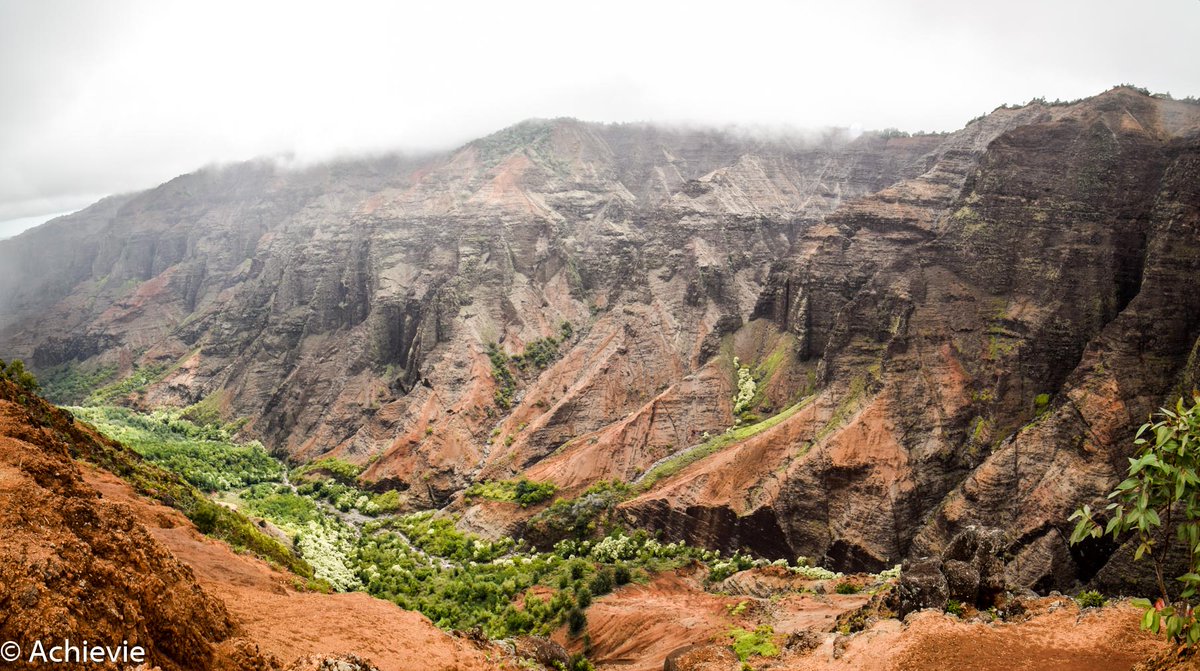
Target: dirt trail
[289,623]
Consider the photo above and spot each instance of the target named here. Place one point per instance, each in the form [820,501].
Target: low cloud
[117,96]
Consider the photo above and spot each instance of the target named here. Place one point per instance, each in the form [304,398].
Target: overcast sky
[114,96]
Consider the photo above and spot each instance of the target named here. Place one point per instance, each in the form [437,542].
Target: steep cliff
[941,330]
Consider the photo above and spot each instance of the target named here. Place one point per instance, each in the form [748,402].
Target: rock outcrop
[970,571]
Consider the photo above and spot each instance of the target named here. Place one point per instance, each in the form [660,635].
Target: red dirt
[636,626]
[289,623]
[1065,639]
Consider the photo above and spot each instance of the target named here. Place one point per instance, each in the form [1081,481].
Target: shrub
[1089,599]
[1041,403]
[206,456]
[523,491]
[955,607]
[1160,502]
[847,588]
[601,583]
[746,386]
[506,384]
[583,517]
[334,467]
[757,643]
[576,621]
[15,372]
[576,568]
[70,384]
[621,575]
[583,597]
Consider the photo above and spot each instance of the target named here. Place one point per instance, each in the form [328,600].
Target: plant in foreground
[1159,502]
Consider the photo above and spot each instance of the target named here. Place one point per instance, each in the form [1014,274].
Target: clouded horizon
[118,96]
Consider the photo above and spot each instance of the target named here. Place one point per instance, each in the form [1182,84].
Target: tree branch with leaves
[1159,502]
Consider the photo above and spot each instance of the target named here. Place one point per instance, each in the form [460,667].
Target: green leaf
[1152,517]
[1113,525]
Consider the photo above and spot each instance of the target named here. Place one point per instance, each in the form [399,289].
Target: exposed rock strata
[977,321]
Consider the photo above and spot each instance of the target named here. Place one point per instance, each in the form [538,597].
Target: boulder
[962,580]
[542,650]
[922,585]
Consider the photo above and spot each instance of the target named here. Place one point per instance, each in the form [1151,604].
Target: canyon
[838,346]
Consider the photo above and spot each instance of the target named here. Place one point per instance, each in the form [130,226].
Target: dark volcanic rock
[962,580]
[922,585]
[970,571]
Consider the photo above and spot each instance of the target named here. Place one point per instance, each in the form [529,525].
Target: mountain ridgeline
[847,348]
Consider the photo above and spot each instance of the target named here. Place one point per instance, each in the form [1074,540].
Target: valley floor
[637,626]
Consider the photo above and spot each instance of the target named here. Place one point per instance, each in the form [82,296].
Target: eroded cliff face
[943,329]
[982,357]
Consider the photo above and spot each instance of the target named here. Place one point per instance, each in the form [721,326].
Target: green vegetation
[747,389]
[281,505]
[506,383]
[210,518]
[70,384]
[586,516]
[206,412]
[137,381]
[523,491]
[1089,599]
[714,445]
[339,469]
[336,481]
[206,456]
[538,354]
[15,372]
[757,643]
[847,588]
[1041,403]
[955,607]
[1159,503]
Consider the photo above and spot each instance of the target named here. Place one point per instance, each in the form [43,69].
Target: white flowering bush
[892,573]
[815,573]
[746,386]
[326,547]
[616,548]
[723,568]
